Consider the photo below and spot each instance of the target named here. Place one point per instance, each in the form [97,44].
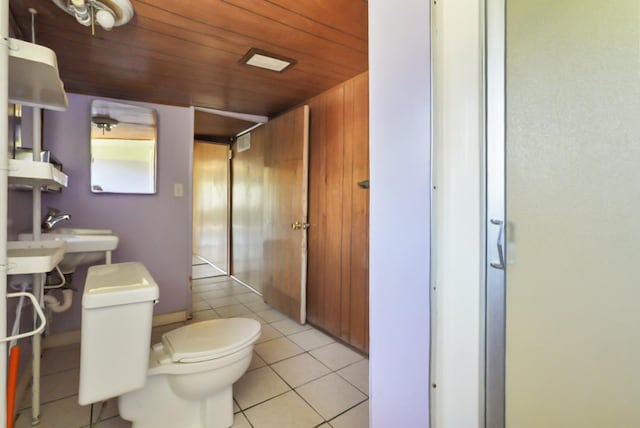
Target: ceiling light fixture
[106,13]
[267,60]
[104,123]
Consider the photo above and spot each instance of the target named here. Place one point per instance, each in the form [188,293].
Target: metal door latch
[297,226]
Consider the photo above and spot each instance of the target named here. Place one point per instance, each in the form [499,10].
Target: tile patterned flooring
[299,377]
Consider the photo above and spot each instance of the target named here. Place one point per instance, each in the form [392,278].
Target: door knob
[297,225]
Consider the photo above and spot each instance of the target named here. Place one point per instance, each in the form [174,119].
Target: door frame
[496,221]
[468,316]
[458,210]
[305,217]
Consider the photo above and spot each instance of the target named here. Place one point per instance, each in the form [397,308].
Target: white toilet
[183,381]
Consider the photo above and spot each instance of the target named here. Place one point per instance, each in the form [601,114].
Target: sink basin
[80,231]
[83,246]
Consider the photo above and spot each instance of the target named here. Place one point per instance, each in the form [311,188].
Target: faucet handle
[52,211]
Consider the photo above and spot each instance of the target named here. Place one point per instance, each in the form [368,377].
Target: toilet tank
[117,311]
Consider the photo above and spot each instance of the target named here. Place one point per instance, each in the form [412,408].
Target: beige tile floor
[299,377]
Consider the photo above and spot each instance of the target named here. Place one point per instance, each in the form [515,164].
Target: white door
[573,214]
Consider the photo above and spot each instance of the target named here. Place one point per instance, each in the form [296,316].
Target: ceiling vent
[267,60]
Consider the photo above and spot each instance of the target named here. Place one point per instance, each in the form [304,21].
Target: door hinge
[230,154]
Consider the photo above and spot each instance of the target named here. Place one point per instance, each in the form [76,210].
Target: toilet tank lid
[118,284]
[207,340]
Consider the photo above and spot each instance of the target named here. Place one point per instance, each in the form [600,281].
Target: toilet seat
[195,391]
[208,340]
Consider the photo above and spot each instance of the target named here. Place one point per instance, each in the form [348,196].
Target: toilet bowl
[191,374]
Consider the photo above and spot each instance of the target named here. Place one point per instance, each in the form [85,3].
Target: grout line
[351,383]
[298,394]
[309,404]
[323,364]
[50,401]
[66,397]
[236,405]
[349,409]
[200,310]
[68,369]
[247,418]
[294,389]
[278,374]
[264,401]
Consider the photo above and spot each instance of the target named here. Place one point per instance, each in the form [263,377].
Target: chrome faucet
[52,218]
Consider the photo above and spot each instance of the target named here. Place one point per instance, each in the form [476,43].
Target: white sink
[80,231]
[83,246]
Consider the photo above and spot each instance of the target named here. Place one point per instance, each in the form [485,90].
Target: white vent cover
[244,142]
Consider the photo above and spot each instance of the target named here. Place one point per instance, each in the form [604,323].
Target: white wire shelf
[33,173]
[25,257]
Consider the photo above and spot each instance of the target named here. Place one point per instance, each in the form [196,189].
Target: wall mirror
[123,148]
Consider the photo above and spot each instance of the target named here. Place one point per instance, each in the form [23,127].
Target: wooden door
[247,196]
[211,203]
[285,212]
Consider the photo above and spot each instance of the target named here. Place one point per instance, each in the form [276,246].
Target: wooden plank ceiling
[187,52]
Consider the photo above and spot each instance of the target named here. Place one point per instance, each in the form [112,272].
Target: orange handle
[12,381]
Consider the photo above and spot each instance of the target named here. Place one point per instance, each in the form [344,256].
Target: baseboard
[170,318]
[72,337]
[61,339]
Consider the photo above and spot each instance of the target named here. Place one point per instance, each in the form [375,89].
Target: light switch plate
[178,190]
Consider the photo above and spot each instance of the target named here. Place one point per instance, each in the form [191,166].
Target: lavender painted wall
[153,229]
[400,144]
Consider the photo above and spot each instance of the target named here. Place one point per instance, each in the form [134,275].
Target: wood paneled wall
[210,203]
[338,259]
[247,201]
[338,266]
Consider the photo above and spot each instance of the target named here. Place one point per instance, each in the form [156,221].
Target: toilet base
[194,394]
[215,411]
